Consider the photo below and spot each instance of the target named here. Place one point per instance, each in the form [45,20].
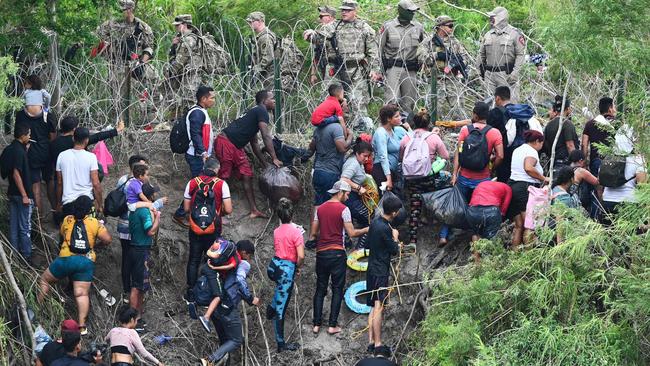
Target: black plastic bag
[447,206]
[402,214]
[276,183]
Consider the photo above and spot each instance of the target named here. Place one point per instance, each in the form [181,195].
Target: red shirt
[491,193]
[330,107]
[493,137]
[331,216]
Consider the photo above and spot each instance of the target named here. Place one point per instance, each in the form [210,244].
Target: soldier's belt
[410,65]
[507,68]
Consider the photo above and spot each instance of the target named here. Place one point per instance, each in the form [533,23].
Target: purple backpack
[417,161]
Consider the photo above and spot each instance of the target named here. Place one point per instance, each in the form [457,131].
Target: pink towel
[537,206]
[104,156]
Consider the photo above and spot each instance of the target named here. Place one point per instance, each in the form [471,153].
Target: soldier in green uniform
[502,54]
[351,48]
[184,70]
[264,50]
[128,44]
[442,51]
[398,43]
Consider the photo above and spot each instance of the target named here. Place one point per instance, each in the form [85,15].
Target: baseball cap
[149,189]
[496,11]
[256,15]
[408,5]
[348,5]
[340,186]
[443,19]
[182,19]
[126,4]
[69,325]
[327,10]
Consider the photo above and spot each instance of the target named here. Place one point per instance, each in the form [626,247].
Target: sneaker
[126,297]
[191,309]
[140,326]
[205,362]
[270,312]
[181,220]
[371,348]
[205,323]
[288,347]
[83,330]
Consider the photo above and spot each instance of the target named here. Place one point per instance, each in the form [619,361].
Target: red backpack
[205,207]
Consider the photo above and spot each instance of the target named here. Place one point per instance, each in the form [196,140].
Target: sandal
[316,329]
[83,330]
[336,331]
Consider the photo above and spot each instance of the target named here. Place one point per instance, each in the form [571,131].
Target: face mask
[404,15]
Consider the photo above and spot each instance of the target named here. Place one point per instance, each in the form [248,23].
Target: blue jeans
[323,182]
[282,273]
[228,327]
[20,225]
[196,166]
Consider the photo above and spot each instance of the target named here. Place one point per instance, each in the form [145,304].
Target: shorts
[43,174]
[519,197]
[323,182]
[140,264]
[374,283]
[231,158]
[485,221]
[77,267]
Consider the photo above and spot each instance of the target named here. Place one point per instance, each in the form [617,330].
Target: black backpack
[115,202]
[204,218]
[612,172]
[474,154]
[79,243]
[179,139]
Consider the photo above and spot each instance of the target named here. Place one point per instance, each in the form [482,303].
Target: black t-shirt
[598,134]
[241,131]
[375,361]
[382,247]
[15,157]
[68,360]
[62,143]
[497,119]
[568,134]
[51,352]
[39,151]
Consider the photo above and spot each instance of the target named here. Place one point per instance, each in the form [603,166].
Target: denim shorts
[77,267]
[485,221]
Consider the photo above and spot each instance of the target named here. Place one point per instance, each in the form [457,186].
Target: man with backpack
[185,62]
[206,199]
[476,145]
[264,50]
[200,136]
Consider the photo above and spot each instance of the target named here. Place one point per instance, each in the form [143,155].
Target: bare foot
[257,215]
[333,330]
[316,329]
[442,242]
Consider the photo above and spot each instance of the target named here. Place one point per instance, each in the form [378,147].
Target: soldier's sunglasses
[450,25]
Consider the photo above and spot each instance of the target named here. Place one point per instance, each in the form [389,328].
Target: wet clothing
[485,221]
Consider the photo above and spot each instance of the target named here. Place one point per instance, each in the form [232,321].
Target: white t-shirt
[518,173]
[634,164]
[75,167]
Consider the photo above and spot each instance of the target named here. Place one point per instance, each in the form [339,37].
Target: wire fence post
[277,90]
[433,108]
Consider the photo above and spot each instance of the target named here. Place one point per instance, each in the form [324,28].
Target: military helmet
[443,20]
[126,4]
[182,19]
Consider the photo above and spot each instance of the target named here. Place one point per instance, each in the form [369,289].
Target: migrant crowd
[366,185]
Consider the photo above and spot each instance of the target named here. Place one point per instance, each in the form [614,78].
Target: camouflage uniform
[398,44]
[502,53]
[436,51]
[319,63]
[125,43]
[185,66]
[264,53]
[357,46]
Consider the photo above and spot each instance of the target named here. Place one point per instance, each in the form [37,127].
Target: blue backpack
[518,118]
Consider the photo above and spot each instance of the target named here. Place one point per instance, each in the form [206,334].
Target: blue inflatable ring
[351,298]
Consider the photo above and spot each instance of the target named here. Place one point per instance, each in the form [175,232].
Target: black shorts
[140,265]
[43,174]
[374,284]
[519,197]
